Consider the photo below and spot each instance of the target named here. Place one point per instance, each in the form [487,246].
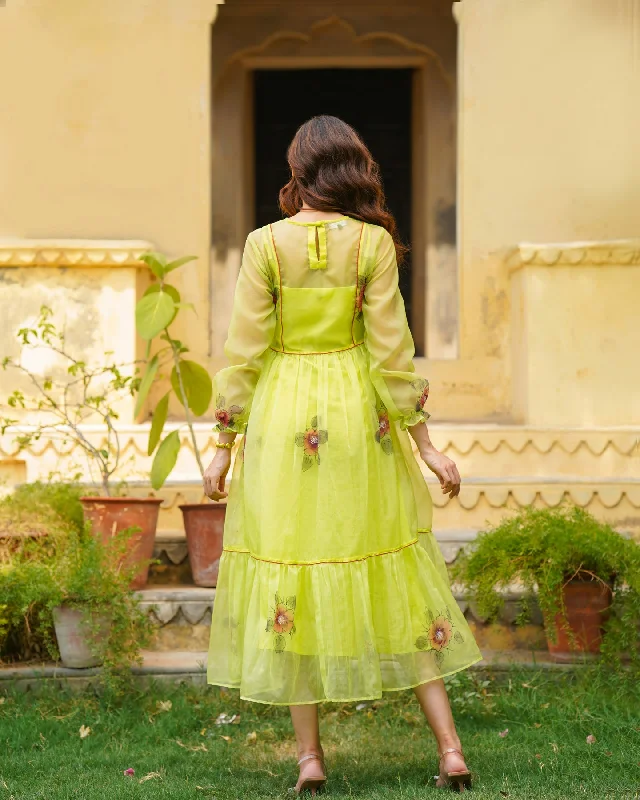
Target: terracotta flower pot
[204,526]
[110,515]
[587,606]
[75,637]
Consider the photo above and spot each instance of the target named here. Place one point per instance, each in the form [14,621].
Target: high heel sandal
[311,782]
[460,780]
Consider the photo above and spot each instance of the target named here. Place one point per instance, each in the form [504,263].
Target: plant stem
[183,397]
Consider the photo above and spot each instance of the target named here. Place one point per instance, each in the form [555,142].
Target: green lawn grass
[382,751]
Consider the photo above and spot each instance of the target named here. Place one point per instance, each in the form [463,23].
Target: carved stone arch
[334,42]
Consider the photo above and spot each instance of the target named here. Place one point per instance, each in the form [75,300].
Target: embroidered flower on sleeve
[439,634]
[383,434]
[281,621]
[422,387]
[226,417]
[310,440]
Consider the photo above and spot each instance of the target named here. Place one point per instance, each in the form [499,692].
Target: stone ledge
[72,253]
[190,667]
[614,252]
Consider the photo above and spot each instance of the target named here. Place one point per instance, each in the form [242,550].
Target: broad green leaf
[165,459]
[156,262]
[178,263]
[170,290]
[164,287]
[146,383]
[157,423]
[187,305]
[197,386]
[153,313]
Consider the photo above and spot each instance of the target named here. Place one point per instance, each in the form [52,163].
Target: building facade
[507,132]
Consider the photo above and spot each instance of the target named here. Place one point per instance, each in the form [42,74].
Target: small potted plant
[96,615]
[191,384]
[73,395]
[585,575]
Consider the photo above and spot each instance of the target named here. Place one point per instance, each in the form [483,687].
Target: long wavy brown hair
[333,170]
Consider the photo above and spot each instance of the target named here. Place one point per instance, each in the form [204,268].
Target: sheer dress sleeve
[251,330]
[389,341]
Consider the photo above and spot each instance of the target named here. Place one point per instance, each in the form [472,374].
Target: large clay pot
[204,527]
[587,605]
[74,637]
[110,515]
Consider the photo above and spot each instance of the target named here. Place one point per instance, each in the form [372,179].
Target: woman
[331,584]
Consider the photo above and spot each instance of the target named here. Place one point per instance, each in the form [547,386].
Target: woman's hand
[443,468]
[215,475]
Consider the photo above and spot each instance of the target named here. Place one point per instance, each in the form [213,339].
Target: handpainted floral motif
[281,621]
[310,440]
[360,290]
[439,634]
[226,417]
[383,434]
[422,387]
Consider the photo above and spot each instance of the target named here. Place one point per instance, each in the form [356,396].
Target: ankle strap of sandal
[450,750]
[309,757]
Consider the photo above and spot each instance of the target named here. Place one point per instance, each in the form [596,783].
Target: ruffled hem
[348,699]
[340,632]
[413,419]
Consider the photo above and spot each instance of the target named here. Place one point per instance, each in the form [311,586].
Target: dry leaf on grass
[84,731]
[226,738]
[503,733]
[252,738]
[149,776]
[554,747]
[225,719]
[591,739]
[193,747]
[537,724]
[164,705]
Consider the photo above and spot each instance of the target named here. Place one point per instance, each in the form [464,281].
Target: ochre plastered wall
[549,125]
[105,133]
[104,128]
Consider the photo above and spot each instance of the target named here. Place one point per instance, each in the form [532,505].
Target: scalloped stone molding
[491,439]
[72,253]
[616,252]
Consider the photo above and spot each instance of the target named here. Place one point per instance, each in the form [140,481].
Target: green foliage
[72,567]
[51,502]
[190,382]
[545,548]
[74,395]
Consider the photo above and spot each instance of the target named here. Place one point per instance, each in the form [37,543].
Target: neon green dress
[331,585]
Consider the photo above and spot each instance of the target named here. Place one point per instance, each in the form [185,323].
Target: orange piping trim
[353,318]
[275,250]
[322,353]
[315,563]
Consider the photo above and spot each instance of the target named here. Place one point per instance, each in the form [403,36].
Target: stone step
[182,619]
[180,667]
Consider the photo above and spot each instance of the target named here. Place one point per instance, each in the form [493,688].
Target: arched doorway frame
[334,43]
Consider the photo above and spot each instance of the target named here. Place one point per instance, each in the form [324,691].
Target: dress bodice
[316,268]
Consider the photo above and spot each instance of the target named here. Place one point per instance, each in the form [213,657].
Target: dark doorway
[376,102]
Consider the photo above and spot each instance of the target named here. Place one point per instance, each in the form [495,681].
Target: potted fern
[584,575]
[190,383]
[71,395]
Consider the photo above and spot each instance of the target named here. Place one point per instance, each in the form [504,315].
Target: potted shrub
[191,384]
[96,615]
[68,596]
[65,401]
[586,577]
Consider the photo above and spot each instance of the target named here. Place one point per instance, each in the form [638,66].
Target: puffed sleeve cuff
[404,396]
